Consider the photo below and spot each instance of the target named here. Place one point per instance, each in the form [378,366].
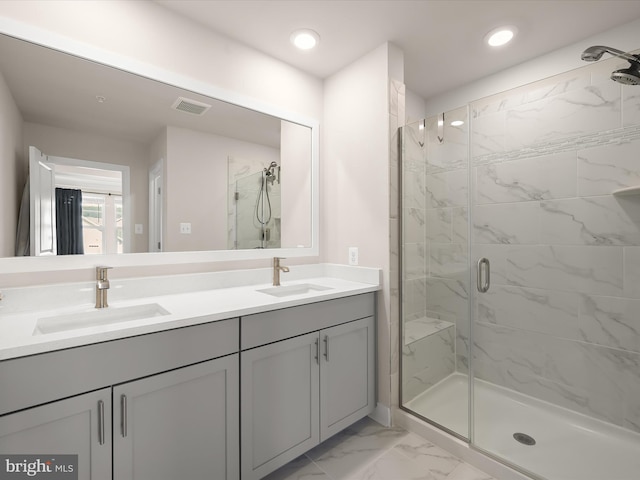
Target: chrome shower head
[626,76]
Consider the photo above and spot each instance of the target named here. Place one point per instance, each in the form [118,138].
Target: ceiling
[134,108]
[441,39]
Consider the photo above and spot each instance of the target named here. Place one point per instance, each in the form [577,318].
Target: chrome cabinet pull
[100,422]
[317,357]
[326,347]
[483,285]
[123,415]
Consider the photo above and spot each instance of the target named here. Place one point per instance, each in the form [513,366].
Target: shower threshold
[568,445]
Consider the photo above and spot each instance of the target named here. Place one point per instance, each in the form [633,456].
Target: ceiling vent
[190,106]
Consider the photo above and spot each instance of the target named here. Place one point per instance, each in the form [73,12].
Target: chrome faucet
[102,285]
[276,270]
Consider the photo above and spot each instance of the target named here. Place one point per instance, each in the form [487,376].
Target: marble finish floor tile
[347,452]
[369,451]
[467,472]
[393,465]
[302,468]
[438,462]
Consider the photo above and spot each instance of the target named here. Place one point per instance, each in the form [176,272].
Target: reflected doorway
[104,192]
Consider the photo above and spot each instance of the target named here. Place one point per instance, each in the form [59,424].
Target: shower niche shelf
[627,191]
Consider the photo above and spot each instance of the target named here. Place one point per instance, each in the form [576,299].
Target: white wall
[355,177]
[13,171]
[60,142]
[295,155]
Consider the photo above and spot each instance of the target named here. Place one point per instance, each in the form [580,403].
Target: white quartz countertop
[19,336]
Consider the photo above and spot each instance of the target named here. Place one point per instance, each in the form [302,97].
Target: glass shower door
[435,271]
[556,338]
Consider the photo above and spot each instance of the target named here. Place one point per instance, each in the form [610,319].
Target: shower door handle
[483,284]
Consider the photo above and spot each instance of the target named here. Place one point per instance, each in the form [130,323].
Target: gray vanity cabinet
[181,392]
[298,391]
[183,422]
[79,425]
[221,400]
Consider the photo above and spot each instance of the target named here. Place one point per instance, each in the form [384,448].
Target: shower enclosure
[257,210]
[520,275]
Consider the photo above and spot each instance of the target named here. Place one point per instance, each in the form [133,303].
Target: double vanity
[208,376]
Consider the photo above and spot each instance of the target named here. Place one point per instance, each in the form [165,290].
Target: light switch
[139,229]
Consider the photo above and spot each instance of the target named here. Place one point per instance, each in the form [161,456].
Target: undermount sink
[97,317]
[289,290]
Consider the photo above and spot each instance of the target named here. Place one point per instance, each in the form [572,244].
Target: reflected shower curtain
[69,221]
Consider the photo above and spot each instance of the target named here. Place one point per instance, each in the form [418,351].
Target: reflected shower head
[270,172]
[626,76]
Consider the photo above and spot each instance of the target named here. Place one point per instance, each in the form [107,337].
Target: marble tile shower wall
[561,320]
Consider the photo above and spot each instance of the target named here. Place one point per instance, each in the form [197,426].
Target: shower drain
[524,438]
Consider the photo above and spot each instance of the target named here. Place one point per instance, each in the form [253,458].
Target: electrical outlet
[185,228]
[353,255]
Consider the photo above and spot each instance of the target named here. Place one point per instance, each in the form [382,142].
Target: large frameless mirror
[100,161]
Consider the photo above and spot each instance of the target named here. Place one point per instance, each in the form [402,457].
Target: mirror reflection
[96,160]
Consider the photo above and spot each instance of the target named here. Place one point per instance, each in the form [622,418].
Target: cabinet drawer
[33,380]
[267,327]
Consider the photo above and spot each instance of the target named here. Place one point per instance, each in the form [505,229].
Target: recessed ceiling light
[500,36]
[305,39]
[457,123]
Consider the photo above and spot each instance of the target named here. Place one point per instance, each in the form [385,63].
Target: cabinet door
[79,425]
[179,424]
[279,405]
[347,375]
